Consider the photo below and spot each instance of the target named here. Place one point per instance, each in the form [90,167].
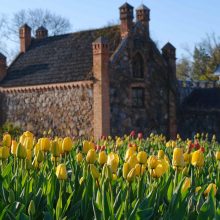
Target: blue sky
[182,22]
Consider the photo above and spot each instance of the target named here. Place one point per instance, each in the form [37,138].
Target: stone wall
[154,116]
[66,111]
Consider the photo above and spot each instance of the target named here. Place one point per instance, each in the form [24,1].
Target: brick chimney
[3,66]
[25,38]
[143,15]
[169,54]
[41,33]
[101,98]
[126,17]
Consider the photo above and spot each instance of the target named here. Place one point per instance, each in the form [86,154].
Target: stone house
[96,82]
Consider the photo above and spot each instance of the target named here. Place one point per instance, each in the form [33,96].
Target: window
[138,66]
[138,97]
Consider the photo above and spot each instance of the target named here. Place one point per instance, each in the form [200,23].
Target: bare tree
[35,18]
[3,34]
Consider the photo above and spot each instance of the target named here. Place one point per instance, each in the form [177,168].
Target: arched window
[138,66]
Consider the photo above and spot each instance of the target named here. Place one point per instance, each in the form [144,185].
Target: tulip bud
[125,170]
[91,156]
[187,158]
[137,169]
[21,151]
[40,156]
[160,154]
[67,144]
[102,158]
[22,139]
[28,134]
[186,185]
[114,176]
[178,160]
[45,144]
[208,189]
[79,157]
[152,162]
[198,189]
[61,172]
[14,146]
[7,140]
[217,155]
[142,157]
[4,152]
[197,158]
[31,208]
[94,171]
[131,175]
[55,149]
[81,181]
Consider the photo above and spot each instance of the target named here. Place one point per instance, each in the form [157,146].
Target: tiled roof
[58,59]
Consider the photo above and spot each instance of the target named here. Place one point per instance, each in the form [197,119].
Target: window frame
[139,97]
[138,68]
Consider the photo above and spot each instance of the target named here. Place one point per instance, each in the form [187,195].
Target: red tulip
[140,135]
[132,134]
[103,148]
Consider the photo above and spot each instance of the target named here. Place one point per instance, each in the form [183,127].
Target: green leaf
[145,214]
[7,170]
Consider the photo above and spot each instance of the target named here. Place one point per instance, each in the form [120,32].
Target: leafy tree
[184,69]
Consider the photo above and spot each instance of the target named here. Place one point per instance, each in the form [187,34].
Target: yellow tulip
[125,170]
[67,144]
[79,157]
[197,158]
[28,142]
[158,171]
[138,169]
[160,154]
[91,156]
[4,152]
[164,164]
[217,155]
[86,146]
[81,181]
[21,151]
[152,162]
[7,140]
[113,161]
[61,172]
[45,144]
[198,188]
[131,175]
[28,134]
[129,153]
[168,144]
[132,161]
[208,189]
[173,144]
[186,185]
[29,154]
[114,176]
[22,139]
[14,146]
[187,158]
[55,150]
[142,157]
[36,148]
[60,144]
[178,160]
[102,158]
[143,169]
[94,171]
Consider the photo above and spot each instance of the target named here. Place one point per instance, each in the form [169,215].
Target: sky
[181,22]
